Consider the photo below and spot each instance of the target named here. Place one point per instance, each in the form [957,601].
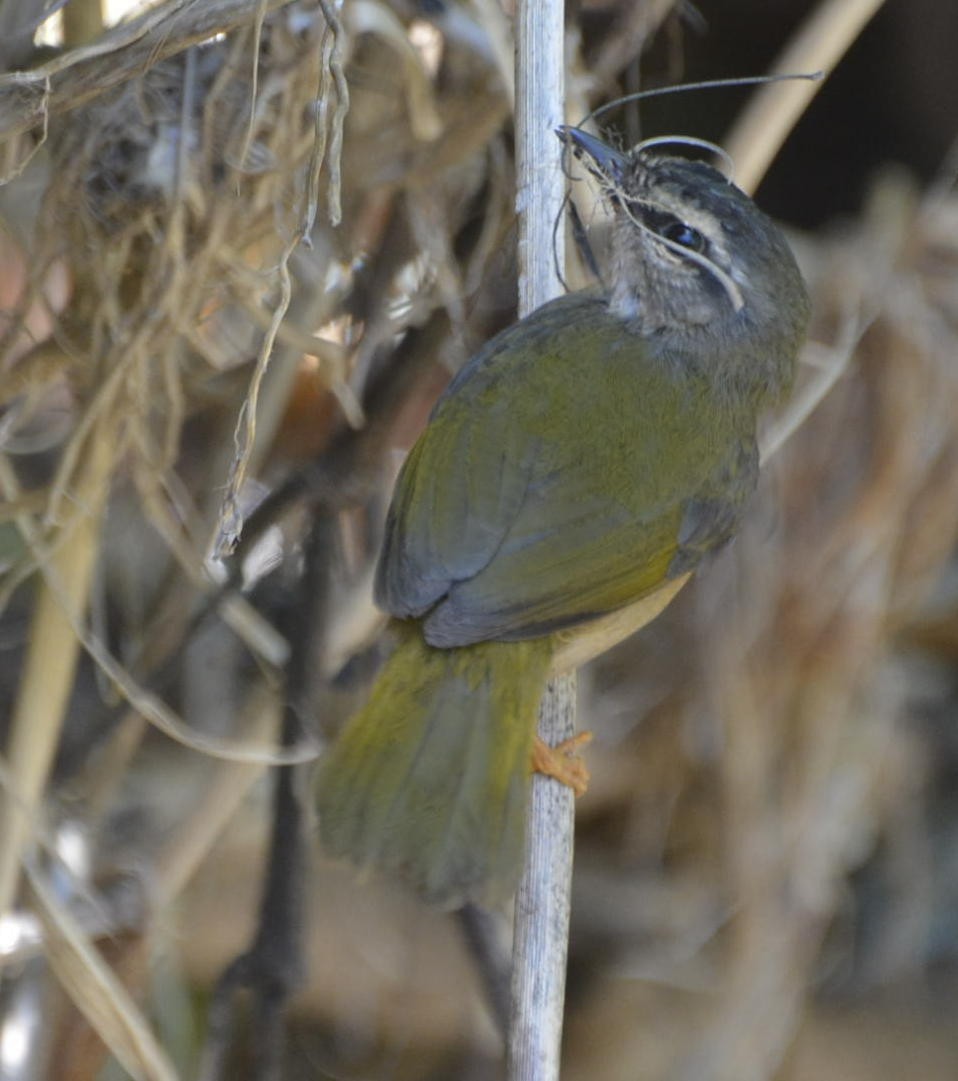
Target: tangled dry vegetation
[764,865]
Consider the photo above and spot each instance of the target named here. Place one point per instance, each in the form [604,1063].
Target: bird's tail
[430,779]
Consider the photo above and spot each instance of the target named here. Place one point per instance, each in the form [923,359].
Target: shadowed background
[767,860]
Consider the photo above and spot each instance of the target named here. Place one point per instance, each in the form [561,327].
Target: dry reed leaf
[95,990]
[748,801]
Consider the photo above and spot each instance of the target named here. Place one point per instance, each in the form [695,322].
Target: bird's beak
[604,160]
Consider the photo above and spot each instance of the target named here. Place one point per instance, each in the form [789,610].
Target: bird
[584,458]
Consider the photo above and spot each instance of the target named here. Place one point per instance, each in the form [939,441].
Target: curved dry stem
[775,109]
[94,988]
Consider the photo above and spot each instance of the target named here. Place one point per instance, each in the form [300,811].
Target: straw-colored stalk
[62,594]
[543,901]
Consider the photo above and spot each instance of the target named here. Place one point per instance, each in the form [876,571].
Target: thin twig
[273,967]
[39,689]
[543,900]
[332,65]
[79,76]
[230,523]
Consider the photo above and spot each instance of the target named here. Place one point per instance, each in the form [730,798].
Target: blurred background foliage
[767,860]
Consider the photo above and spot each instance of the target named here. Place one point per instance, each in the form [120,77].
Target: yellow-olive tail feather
[430,779]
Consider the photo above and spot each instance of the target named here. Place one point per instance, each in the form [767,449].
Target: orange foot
[563,762]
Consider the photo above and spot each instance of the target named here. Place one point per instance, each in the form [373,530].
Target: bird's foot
[563,762]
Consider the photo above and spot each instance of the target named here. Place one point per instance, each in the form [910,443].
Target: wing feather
[551,483]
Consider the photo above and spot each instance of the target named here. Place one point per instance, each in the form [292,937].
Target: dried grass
[756,744]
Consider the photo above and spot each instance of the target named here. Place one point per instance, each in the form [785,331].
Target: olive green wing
[552,482]
[567,561]
[580,566]
[459,491]
[462,484]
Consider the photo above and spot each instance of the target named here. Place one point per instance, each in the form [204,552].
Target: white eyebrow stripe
[725,280]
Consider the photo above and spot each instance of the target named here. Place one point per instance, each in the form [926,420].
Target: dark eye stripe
[669,226]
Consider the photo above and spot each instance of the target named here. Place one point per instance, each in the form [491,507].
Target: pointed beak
[607,162]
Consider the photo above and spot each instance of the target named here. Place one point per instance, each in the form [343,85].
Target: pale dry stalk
[543,900]
[775,109]
[52,656]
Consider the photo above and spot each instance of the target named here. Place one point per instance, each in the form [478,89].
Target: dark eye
[680,233]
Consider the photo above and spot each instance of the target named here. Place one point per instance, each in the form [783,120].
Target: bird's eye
[680,233]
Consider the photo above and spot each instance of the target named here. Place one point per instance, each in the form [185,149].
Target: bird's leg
[563,762]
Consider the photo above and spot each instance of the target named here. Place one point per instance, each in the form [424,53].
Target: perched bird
[584,458]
